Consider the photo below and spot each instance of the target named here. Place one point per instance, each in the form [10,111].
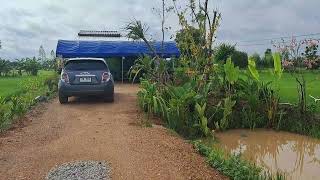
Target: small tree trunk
[162,28]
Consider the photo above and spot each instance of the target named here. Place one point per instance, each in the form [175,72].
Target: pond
[295,155]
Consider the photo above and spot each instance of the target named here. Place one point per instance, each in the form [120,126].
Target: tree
[49,63]
[5,67]
[137,31]
[20,66]
[200,16]
[42,54]
[268,59]
[223,52]
[293,49]
[240,59]
[32,66]
[52,54]
[184,39]
[257,59]
[163,14]
[311,59]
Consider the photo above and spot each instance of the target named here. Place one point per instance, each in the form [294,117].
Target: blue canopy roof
[103,49]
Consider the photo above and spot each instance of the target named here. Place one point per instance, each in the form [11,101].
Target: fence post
[122,68]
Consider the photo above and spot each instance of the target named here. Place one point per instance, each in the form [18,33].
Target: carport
[114,49]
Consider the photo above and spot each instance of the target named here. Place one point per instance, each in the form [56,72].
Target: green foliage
[142,66]
[3,111]
[5,67]
[227,111]
[32,66]
[15,105]
[194,94]
[268,58]
[203,120]
[232,72]
[185,37]
[52,83]
[256,57]
[277,65]
[240,59]
[181,103]
[136,30]
[271,100]
[223,52]
[252,68]
[114,65]
[151,101]
[233,166]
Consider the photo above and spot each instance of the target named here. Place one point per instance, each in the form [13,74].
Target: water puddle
[297,156]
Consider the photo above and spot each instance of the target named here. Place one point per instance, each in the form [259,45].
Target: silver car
[86,77]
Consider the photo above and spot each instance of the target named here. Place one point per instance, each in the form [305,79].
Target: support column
[123,58]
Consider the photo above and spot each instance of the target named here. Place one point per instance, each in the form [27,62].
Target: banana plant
[232,74]
[203,120]
[277,71]
[227,111]
[252,68]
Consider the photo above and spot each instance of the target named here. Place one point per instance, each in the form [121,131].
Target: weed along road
[89,129]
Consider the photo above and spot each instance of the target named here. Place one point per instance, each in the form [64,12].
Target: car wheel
[63,99]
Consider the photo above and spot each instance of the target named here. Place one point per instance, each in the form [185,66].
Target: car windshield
[78,65]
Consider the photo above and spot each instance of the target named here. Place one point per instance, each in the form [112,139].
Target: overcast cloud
[25,25]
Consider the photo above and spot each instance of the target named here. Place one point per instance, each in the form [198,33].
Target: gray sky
[25,25]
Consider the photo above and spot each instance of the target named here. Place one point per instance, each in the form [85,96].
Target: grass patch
[20,93]
[288,86]
[232,165]
[14,85]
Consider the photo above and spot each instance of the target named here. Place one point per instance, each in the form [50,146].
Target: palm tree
[136,31]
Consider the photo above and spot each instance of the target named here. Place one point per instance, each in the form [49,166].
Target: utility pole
[0,44]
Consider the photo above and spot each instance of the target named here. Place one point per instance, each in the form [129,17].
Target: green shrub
[18,106]
[32,66]
[240,59]
[52,83]
[2,115]
[223,52]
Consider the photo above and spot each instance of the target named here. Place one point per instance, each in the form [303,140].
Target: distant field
[12,85]
[288,85]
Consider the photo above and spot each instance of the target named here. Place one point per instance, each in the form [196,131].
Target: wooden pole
[122,68]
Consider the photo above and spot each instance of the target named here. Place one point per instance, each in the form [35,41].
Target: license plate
[85,79]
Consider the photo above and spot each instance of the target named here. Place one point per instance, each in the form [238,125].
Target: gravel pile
[81,170]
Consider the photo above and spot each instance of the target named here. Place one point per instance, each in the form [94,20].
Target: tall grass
[22,96]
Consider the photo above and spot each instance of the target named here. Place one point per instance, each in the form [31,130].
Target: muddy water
[295,155]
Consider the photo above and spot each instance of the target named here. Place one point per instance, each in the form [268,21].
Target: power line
[283,37]
[254,44]
[262,44]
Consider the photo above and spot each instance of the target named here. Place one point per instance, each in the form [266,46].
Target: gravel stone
[81,170]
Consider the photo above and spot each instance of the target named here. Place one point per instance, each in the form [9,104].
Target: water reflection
[298,156]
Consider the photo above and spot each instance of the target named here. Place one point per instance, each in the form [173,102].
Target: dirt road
[87,129]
